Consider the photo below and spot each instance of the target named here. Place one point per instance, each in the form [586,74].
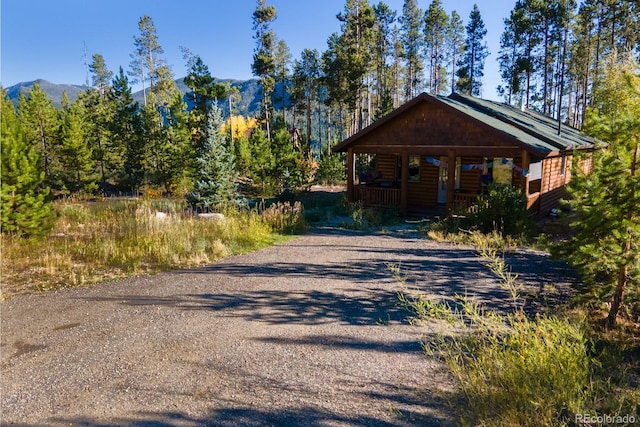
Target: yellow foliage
[241,125]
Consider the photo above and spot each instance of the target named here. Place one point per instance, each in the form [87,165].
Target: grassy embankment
[559,367]
[106,240]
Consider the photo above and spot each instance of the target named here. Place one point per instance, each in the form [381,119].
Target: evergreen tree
[412,41]
[475,52]
[40,122]
[204,91]
[101,76]
[456,45]
[263,65]
[76,156]
[214,187]
[436,31]
[331,170]
[25,206]
[606,241]
[263,162]
[356,38]
[282,62]
[383,48]
[126,146]
[306,78]
[99,114]
[145,60]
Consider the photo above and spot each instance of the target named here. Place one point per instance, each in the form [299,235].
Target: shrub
[502,209]
[285,217]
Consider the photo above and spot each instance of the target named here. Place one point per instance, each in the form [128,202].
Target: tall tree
[76,156]
[26,209]
[204,91]
[40,121]
[263,65]
[382,49]
[606,241]
[412,41]
[306,77]
[356,37]
[436,31]
[146,60]
[126,145]
[98,113]
[475,52]
[214,187]
[100,75]
[282,63]
[456,45]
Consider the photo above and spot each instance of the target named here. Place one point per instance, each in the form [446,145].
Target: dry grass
[100,241]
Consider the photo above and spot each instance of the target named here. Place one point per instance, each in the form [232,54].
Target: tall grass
[104,240]
[514,370]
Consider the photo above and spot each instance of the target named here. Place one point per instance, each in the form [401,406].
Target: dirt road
[304,333]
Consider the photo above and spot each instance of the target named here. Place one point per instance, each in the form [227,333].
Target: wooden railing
[377,196]
[464,201]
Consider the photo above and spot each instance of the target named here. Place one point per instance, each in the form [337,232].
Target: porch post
[350,175]
[524,180]
[404,179]
[451,180]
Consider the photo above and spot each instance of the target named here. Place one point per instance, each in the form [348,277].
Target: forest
[552,56]
[575,61]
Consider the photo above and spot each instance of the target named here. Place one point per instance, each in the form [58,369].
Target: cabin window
[563,165]
[414,169]
[502,171]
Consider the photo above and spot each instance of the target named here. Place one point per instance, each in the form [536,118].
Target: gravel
[303,333]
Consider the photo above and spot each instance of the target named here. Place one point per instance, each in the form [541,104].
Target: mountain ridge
[248,104]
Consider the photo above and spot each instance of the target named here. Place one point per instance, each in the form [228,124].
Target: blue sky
[47,38]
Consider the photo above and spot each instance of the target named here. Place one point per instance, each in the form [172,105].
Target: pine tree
[126,146]
[383,48]
[204,91]
[456,45]
[101,76]
[306,78]
[282,63]
[263,65]
[606,241]
[146,61]
[263,162]
[40,122]
[412,41]
[99,114]
[436,31]
[331,168]
[26,209]
[475,52]
[76,156]
[356,38]
[214,187]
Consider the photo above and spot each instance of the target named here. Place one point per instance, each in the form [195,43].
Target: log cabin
[439,153]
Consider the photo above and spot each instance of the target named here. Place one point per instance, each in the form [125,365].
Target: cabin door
[443,177]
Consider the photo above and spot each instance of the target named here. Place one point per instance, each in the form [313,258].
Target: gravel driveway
[303,333]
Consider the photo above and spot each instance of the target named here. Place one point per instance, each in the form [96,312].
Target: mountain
[248,105]
[54,90]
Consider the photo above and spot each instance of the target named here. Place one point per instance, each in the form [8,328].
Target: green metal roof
[540,131]
[533,131]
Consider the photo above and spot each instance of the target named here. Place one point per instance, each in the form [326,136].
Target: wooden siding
[470,180]
[424,194]
[430,129]
[387,165]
